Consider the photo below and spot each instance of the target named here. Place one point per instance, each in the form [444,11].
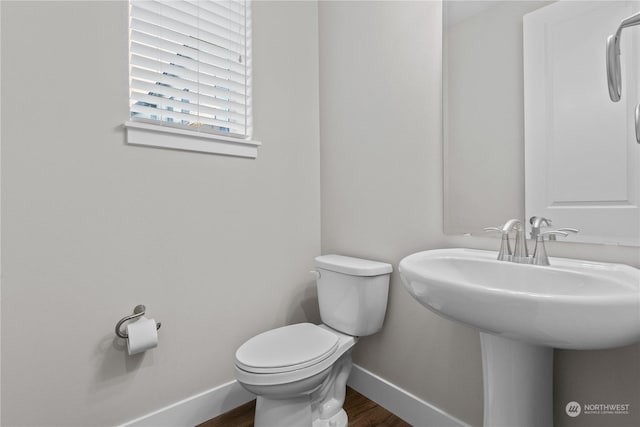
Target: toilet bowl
[299,372]
[289,382]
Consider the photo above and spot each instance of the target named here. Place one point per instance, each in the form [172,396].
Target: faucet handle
[540,252]
[568,230]
[564,230]
[504,254]
[489,229]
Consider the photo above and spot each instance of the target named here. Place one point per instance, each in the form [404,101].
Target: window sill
[180,139]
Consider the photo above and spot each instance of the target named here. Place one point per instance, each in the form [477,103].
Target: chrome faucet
[520,252]
[537,222]
[540,251]
[510,225]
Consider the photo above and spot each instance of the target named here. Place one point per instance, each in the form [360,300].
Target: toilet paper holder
[137,312]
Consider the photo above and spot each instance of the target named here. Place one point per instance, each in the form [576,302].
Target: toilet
[299,372]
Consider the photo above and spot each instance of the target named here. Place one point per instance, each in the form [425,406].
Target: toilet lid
[286,349]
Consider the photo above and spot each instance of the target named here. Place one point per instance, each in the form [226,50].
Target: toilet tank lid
[352,266]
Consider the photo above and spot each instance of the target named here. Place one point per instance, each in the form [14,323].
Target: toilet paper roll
[143,335]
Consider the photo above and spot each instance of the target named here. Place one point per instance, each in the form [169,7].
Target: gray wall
[381,184]
[380,85]
[218,248]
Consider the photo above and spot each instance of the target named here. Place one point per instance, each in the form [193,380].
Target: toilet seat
[286,349]
[301,371]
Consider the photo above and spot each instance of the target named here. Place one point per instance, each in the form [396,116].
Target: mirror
[528,126]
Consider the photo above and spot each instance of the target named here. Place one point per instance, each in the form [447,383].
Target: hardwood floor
[362,412]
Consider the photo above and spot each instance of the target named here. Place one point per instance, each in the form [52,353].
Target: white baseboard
[405,405]
[196,409]
[211,403]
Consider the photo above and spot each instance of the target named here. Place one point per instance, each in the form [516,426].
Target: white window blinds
[190,65]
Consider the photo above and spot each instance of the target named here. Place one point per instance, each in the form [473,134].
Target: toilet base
[293,412]
[338,420]
[318,407]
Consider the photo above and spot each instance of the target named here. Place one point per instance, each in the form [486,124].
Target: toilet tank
[352,293]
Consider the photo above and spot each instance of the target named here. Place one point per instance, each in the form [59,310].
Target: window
[190,75]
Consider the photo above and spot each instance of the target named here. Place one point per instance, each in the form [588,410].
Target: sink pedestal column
[518,383]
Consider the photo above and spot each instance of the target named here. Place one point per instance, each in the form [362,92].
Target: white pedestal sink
[523,312]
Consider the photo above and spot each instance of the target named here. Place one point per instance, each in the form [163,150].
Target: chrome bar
[138,311]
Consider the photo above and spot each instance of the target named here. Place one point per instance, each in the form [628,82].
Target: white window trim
[166,134]
[152,135]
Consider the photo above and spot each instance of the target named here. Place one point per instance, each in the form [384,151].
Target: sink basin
[571,304]
[523,312]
